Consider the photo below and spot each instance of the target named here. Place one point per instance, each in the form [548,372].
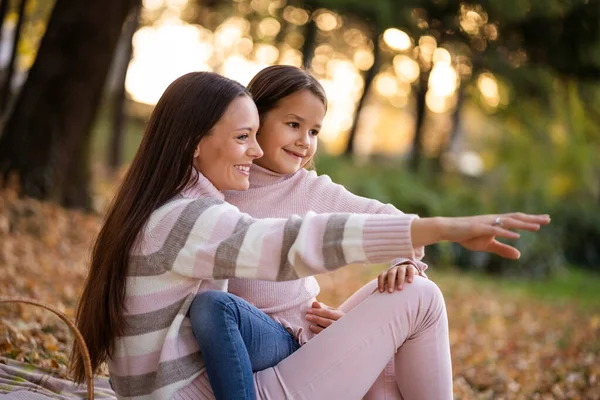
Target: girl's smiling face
[288,132]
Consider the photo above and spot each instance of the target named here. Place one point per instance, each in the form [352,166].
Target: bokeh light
[327,21]
[488,86]
[406,68]
[397,39]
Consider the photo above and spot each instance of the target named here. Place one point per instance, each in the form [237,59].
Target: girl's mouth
[294,154]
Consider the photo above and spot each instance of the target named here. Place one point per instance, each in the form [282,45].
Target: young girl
[292,105]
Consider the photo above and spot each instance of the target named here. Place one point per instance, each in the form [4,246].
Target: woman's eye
[294,125]
[242,137]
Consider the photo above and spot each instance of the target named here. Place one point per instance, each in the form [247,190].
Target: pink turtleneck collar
[201,187]
[260,176]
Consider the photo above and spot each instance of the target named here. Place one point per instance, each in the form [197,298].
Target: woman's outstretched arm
[211,239]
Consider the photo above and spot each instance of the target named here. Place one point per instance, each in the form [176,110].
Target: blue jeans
[236,339]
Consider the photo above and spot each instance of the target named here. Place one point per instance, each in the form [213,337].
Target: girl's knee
[425,290]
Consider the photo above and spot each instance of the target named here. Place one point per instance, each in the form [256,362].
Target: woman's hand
[322,316]
[477,233]
[394,277]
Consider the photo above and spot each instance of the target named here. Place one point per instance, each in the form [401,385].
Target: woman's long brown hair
[185,113]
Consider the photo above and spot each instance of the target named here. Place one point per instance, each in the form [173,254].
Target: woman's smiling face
[224,156]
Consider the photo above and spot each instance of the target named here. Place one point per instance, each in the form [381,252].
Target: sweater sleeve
[210,239]
[326,196]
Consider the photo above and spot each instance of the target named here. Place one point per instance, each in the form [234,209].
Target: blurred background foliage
[440,107]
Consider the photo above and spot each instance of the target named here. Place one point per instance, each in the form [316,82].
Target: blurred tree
[369,78]
[3,11]
[378,15]
[45,139]
[6,91]
[310,36]
[121,63]
[508,38]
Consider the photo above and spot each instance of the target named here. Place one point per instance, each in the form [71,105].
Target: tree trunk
[122,59]
[6,92]
[369,77]
[46,134]
[308,47]
[417,147]
[3,11]
[456,129]
[456,125]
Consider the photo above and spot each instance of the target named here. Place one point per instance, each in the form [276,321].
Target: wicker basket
[89,375]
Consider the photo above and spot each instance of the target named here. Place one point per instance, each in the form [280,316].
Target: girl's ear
[197,151]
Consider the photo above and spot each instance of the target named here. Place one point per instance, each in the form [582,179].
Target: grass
[571,286]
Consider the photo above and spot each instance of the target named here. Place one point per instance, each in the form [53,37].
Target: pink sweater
[195,242]
[272,195]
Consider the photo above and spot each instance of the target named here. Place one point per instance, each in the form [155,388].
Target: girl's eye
[314,132]
[294,125]
[242,137]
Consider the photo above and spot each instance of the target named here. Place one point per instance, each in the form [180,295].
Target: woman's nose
[255,151]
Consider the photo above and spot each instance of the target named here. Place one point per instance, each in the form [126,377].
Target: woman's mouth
[244,169]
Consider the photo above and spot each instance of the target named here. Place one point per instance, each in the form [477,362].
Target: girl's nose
[303,140]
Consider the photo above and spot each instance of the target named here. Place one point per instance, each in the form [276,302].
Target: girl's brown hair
[162,167]
[277,82]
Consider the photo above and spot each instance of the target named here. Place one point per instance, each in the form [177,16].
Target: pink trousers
[387,346]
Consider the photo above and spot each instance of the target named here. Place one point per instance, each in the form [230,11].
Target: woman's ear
[197,151]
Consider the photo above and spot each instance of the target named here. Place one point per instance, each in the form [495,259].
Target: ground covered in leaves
[503,346]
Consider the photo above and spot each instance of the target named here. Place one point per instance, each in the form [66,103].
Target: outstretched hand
[480,233]
[477,233]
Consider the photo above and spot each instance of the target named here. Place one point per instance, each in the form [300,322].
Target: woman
[169,235]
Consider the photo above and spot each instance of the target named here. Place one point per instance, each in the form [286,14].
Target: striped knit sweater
[195,242]
[273,195]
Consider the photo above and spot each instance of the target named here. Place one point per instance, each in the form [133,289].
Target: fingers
[395,277]
[512,223]
[315,329]
[321,321]
[541,219]
[327,313]
[381,282]
[489,230]
[503,250]
[393,274]
[323,317]
[410,273]
[316,304]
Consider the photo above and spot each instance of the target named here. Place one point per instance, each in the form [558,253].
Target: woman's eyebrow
[245,128]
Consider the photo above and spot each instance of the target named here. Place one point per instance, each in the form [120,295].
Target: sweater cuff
[419,265]
[385,237]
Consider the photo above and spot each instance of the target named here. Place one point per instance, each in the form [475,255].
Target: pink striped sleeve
[215,240]
[325,196]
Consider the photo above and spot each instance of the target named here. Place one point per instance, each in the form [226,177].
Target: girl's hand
[395,277]
[322,316]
